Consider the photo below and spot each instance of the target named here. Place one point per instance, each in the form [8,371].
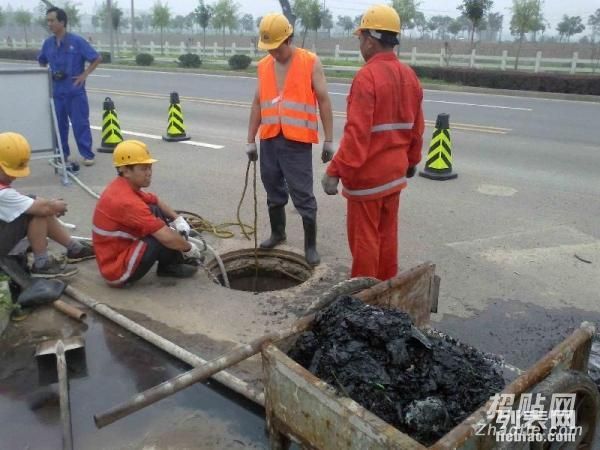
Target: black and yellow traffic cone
[175,128]
[111,130]
[439,158]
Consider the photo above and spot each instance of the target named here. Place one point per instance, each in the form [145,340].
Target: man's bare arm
[325,110]
[255,117]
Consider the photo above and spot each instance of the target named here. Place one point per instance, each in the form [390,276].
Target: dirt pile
[422,385]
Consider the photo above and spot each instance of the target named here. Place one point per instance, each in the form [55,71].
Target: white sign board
[26,109]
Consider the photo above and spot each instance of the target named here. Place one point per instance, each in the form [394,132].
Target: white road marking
[478,105]
[159,138]
[459,103]
[100,76]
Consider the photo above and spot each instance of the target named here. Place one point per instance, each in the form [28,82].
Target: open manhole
[277,270]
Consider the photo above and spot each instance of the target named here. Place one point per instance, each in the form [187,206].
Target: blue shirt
[69,57]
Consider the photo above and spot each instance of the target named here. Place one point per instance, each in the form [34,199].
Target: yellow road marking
[212,101]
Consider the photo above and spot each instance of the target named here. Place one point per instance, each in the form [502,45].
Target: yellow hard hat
[380,18]
[15,152]
[131,152]
[274,29]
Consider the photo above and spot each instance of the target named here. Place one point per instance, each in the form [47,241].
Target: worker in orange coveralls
[380,148]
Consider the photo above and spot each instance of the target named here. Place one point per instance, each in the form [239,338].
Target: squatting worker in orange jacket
[291,83]
[380,148]
[133,229]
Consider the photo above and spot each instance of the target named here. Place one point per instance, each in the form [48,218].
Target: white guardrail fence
[503,62]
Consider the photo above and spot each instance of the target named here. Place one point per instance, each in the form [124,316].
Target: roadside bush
[106,59]
[189,60]
[144,59]
[510,79]
[239,62]
[28,54]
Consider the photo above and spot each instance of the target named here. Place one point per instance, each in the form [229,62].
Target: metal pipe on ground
[229,358]
[225,378]
[196,375]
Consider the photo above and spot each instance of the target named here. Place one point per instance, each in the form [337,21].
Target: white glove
[328,151]
[330,184]
[252,151]
[194,252]
[181,226]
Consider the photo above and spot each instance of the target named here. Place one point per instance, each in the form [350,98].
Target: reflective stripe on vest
[377,189]
[271,120]
[134,255]
[392,126]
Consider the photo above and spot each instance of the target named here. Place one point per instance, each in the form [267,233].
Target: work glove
[411,171]
[193,253]
[328,151]
[181,226]
[330,184]
[252,151]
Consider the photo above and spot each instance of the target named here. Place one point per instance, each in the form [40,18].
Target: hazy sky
[553,9]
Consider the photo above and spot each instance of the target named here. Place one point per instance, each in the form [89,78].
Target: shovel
[51,357]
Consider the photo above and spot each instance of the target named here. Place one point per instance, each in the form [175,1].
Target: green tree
[73,14]
[421,23]
[455,27]
[161,15]
[23,18]
[525,19]
[594,23]
[441,24]
[475,11]
[327,21]
[247,23]
[177,23]
[407,10]
[495,23]
[96,21]
[570,26]
[2,17]
[203,13]
[345,23]
[225,16]
[309,14]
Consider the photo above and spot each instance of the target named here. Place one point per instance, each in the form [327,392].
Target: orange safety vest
[292,112]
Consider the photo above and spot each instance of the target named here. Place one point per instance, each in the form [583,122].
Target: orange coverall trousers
[373,236]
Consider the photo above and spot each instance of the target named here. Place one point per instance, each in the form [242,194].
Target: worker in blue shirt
[67,53]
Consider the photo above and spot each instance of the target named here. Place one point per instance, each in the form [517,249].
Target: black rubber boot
[277,218]
[310,242]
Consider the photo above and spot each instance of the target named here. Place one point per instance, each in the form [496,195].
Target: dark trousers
[155,251]
[12,232]
[286,171]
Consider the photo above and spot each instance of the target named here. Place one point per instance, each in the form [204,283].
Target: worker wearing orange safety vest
[380,148]
[291,83]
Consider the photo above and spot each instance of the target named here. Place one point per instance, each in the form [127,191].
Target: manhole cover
[277,270]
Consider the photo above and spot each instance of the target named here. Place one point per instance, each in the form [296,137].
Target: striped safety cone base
[175,128]
[439,158]
[111,130]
